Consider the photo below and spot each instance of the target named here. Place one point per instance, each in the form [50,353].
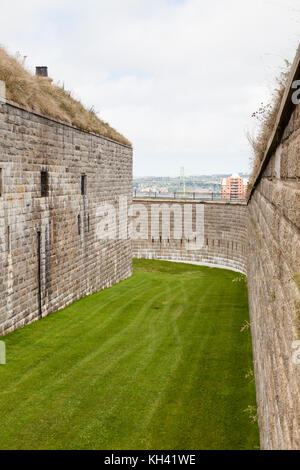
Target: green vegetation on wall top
[41,95]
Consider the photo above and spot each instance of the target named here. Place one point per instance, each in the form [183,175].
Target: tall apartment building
[234,187]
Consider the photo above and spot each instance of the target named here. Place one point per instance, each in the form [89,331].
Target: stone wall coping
[285,111]
[188,200]
[63,123]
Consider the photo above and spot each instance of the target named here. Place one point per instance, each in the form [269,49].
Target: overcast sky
[179,78]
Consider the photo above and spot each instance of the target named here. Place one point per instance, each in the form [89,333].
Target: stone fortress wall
[224,240]
[49,252]
[274,278]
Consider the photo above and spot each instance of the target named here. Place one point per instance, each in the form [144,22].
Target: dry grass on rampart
[267,116]
[39,94]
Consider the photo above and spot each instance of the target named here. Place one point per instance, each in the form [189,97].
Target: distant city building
[234,187]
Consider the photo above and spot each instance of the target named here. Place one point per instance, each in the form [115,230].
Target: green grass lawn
[155,362]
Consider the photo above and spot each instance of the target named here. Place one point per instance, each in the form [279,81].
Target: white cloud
[179,78]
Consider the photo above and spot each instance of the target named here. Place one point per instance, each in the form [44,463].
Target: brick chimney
[41,71]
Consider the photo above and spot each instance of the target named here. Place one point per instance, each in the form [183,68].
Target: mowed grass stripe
[88,352]
[80,370]
[43,348]
[162,365]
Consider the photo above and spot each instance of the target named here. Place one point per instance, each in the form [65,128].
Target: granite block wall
[274,291]
[224,237]
[50,254]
